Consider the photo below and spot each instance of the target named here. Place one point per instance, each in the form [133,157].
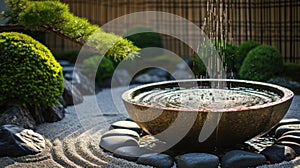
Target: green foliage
[242,51]
[261,64]
[144,37]
[226,52]
[291,71]
[104,66]
[30,75]
[55,16]
[199,68]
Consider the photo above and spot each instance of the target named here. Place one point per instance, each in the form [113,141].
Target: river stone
[285,128]
[122,132]
[126,125]
[16,141]
[199,160]
[156,160]
[241,159]
[295,146]
[278,153]
[18,116]
[111,143]
[131,153]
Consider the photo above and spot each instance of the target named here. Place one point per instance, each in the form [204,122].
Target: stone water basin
[206,114]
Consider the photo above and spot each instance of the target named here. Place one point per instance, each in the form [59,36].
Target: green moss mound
[30,74]
[261,64]
[104,66]
[242,50]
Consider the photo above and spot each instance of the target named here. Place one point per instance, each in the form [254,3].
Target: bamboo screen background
[273,22]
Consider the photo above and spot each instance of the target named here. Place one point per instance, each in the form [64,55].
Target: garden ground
[73,142]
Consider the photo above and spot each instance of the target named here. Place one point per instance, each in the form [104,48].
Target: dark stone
[71,94]
[278,153]
[54,113]
[62,101]
[16,141]
[130,153]
[198,160]
[18,116]
[37,114]
[111,143]
[285,128]
[295,146]
[126,125]
[242,159]
[122,132]
[156,160]
[83,83]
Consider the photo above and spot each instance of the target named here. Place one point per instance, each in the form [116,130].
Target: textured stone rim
[287,95]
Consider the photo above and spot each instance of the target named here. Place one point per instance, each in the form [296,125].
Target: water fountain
[228,115]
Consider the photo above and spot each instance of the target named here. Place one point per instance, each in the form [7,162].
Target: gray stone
[62,101]
[71,94]
[85,85]
[242,159]
[156,160]
[111,143]
[18,116]
[285,128]
[126,125]
[294,145]
[131,153]
[199,160]
[68,68]
[122,132]
[16,141]
[278,153]
[54,113]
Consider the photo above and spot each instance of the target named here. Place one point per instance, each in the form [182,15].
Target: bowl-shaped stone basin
[205,114]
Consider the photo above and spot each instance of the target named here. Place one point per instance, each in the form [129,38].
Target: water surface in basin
[205,99]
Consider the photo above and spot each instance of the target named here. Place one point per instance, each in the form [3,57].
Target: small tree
[55,16]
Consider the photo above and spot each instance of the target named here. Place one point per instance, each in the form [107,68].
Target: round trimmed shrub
[105,68]
[30,75]
[242,50]
[261,64]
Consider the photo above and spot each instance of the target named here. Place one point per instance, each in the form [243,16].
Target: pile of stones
[126,140]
